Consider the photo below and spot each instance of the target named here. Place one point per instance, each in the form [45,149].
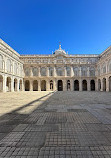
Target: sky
[37,26]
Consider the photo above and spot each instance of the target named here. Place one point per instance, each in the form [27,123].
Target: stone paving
[55,125]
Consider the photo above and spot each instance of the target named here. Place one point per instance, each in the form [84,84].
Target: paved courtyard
[55,125]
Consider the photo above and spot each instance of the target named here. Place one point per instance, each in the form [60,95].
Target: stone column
[65,73]
[18,85]
[47,85]
[64,85]
[88,72]
[107,84]
[101,84]
[80,74]
[72,72]
[4,83]
[31,85]
[80,85]
[12,84]
[72,84]
[39,85]
[55,72]
[39,74]
[54,85]
[88,85]
[31,74]
[96,84]
[47,71]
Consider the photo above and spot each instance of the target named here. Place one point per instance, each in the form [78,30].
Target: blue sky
[37,26]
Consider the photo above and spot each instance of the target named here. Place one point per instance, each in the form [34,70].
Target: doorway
[60,85]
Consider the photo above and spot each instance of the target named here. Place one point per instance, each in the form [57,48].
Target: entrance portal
[60,85]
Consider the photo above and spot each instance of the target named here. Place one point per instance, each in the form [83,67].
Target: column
[72,84]
[18,85]
[47,85]
[12,84]
[54,85]
[80,85]
[47,73]
[88,72]
[80,74]
[72,72]
[39,74]
[31,85]
[88,85]
[64,85]
[55,72]
[96,84]
[4,83]
[101,85]
[39,85]
[31,74]
[65,73]
[107,84]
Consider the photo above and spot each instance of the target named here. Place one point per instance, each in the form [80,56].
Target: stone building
[59,71]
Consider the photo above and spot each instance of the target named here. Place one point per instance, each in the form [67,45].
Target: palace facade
[59,71]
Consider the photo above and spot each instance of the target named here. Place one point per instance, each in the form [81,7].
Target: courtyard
[55,124]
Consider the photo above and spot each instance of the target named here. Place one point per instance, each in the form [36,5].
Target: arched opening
[60,85]
[8,84]
[76,85]
[20,85]
[68,85]
[27,85]
[35,85]
[92,85]
[110,83]
[84,85]
[15,84]
[1,83]
[99,84]
[104,84]
[43,85]
[51,85]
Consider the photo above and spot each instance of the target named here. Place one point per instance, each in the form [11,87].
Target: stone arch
[68,85]
[92,85]
[104,84]
[1,83]
[8,84]
[60,85]
[51,85]
[20,85]
[27,85]
[76,85]
[35,85]
[43,85]
[84,85]
[15,84]
[110,83]
[99,84]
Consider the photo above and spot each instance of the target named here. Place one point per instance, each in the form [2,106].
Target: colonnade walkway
[55,124]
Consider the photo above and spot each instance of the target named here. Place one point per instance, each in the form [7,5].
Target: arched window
[8,65]
[35,71]
[43,71]
[51,85]
[104,69]
[99,71]
[50,71]
[60,71]
[84,71]
[92,71]
[27,71]
[76,71]
[68,70]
